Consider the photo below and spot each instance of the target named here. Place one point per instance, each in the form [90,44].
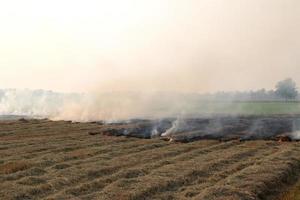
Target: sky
[141,45]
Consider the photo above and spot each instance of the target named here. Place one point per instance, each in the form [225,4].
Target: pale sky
[177,45]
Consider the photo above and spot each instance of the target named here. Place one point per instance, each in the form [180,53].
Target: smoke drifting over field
[30,103]
[143,59]
[105,106]
[146,59]
[181,118]
[115,106]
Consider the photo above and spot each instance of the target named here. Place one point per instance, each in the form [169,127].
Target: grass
[12,167]
[293,194]
[60,160]
[246,108]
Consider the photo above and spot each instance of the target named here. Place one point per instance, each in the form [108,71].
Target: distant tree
[287,89]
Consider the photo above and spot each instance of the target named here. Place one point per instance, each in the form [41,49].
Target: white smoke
[178,125]
[112,106]
[35,103]
[155,132]
[115,106]
[120,106]
[295,135]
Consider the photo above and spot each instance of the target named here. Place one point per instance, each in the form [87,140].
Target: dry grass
[12,167]
[60,160]
[293,193]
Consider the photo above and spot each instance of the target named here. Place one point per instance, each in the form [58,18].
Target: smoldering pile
[282,128]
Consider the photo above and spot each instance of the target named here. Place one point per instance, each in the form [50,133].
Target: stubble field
[42,159]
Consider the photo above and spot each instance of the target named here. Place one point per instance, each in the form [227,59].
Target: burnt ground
[223,128]
[41,159]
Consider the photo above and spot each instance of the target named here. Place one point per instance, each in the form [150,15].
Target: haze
[141,45]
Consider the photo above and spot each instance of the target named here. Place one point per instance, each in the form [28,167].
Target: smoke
[120,56]
[224,128]
[31,103]
[165,114]
[108,107]
[111,106]
[35,103]
[116,106]
[169,45]
[295,135]
[177,125]
[149,59]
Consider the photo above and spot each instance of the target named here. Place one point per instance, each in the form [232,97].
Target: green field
[248,108]
[200,108]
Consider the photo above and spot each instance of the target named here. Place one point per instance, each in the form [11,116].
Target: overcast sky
[174,45]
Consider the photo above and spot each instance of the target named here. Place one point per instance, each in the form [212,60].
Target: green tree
[287,89]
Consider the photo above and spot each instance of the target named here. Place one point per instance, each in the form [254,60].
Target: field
[42,159]
[293,193]
[245,107]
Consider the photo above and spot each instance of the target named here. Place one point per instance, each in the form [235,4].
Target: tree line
[285,90]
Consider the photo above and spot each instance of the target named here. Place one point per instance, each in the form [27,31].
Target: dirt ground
[41,159]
